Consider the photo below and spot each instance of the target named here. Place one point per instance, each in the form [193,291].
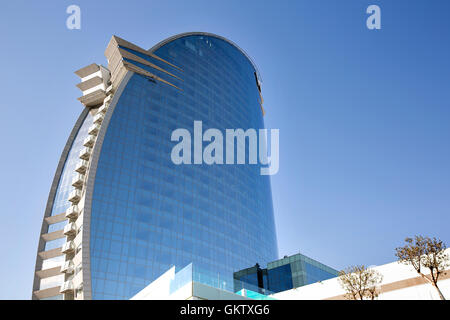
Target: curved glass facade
[148,213]
[60,203]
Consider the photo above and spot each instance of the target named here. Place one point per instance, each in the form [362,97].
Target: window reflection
[53,244]
[149,214]
[61,203]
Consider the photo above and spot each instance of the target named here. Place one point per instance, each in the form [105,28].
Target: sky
[364,115]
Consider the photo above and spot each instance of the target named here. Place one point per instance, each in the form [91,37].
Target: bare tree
[360,283]
[425,253]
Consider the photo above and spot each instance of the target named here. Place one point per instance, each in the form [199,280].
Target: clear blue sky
[364,116]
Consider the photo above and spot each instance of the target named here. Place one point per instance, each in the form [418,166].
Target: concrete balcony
[68,247]
[85,153]
[46,293]
[102,109]
[94,129]
[67,287]
[72,212]
[107,99]
[94,81]
[70,229]
[68,267]
[78,180]
[93,98]
[98,118]
[75,196]
[81,166]
[88,70]
[89,141]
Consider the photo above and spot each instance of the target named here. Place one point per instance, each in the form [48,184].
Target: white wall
[392,272]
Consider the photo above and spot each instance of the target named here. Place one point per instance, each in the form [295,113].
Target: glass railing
[191,273]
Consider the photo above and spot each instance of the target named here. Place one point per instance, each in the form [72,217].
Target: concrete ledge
[55,219]
[53,235]
[93,98]
[50,253]
[88,84]
[90,69]
[47,293]
[49,272]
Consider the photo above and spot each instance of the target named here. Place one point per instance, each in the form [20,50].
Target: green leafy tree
[424,253]
[360,283]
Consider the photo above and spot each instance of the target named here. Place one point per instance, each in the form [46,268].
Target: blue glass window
[149,214]
[56,226]
[60,203]
[53,244]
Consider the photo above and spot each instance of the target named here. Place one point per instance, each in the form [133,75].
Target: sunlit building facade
[120,212]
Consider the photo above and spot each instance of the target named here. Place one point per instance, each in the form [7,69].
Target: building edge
[52,194]
[86,257]
[206,34]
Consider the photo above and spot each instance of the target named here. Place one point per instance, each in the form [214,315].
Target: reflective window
[315,273]
[280,279]
[149,214]
[55,243]
[61,204]
[287,273]
[57,226]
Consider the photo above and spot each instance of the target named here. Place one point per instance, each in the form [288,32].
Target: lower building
[195,283]
[400,282]
[190,283]
[284,274]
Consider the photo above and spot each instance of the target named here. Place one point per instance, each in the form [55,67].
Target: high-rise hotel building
[120,212]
